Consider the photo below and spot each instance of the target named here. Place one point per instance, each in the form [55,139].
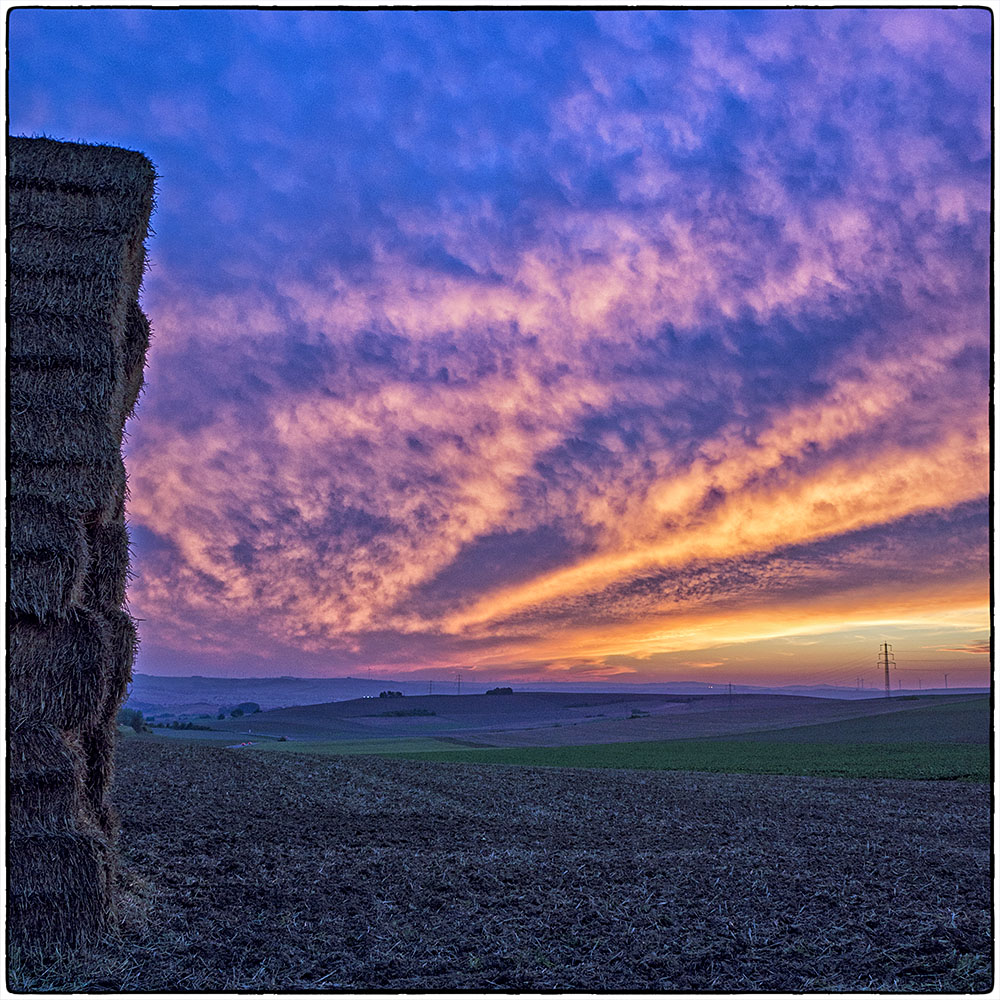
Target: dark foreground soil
[287,873]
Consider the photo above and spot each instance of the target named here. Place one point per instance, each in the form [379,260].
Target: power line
[927,659]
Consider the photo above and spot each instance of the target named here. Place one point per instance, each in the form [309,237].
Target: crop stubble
[284,872]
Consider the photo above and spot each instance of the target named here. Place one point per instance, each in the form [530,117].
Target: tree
[132,717]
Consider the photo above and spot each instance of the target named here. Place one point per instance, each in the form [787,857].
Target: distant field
[961,721]
[713,716]
[945,741]
[527,719]
[822,760]
[928,737]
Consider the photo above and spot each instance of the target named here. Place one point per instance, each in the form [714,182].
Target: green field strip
[910,760]
[966,721]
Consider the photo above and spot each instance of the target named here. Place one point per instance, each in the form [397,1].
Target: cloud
[472,331]
[978,647]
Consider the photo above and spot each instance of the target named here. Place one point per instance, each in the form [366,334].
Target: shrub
[132,717]
[500,691]
[237,713]
[391,694]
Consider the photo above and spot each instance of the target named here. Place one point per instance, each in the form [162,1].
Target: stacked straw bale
[77,223]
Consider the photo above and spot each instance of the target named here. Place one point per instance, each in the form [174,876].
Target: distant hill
[551,718]
[155,695]
[193,696]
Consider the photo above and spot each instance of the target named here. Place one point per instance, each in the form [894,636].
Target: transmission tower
[886,659]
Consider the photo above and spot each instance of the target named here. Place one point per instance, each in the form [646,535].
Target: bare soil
[278,873]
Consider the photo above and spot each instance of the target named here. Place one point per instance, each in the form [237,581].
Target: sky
[551,345]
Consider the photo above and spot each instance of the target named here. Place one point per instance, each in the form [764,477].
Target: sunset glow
[572,345]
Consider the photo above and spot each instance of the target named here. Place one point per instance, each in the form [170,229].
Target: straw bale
[107,573]
[83,488]
[123,645]
[47,781]
[54,208]
[74,271]
[44,583]
[81,914]
[79,340]
[58,671]
[53,802]
[66,389]
[38,524]
[97,736]
[47,557]
[134,363]
[123,174]
[122,181]
[78,217]
[102,814]
[75,251]
[99,767]
[47,775]
[89,297]
[63,891]
[136,337]
[40,854]
[78,371]
[40,751]
[48,436]
[77,222]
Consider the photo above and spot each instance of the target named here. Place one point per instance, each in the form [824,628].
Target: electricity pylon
[886,659]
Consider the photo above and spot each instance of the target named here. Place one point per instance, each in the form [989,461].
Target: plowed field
[285,872]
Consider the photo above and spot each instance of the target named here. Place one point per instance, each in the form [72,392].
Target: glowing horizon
[618,345]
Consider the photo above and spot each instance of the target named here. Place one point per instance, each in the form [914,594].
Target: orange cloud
[770,499]
[960,606]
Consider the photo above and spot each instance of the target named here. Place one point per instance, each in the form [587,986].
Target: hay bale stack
[77,222]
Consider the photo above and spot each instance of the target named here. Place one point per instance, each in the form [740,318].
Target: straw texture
[48,556]
[136,345]
[107,573]
[61,894]
[59,672]
[77,221]
[47,789]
